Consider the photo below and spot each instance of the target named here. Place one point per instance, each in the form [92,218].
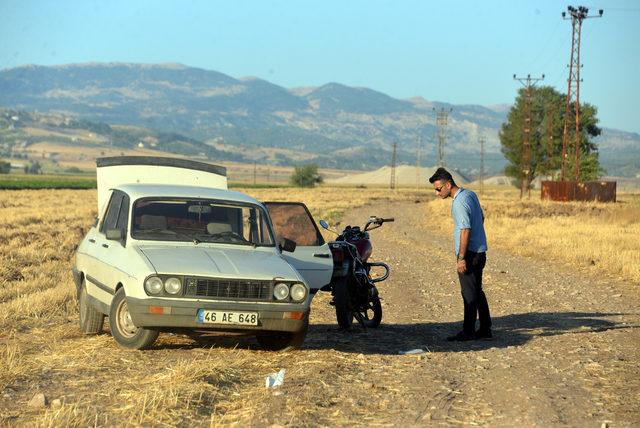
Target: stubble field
[88,380]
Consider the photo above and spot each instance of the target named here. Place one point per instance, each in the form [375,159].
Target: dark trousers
[475,302]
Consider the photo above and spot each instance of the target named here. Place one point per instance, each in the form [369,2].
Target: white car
[173,249]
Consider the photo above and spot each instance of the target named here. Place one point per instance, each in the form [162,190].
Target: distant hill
[334,125]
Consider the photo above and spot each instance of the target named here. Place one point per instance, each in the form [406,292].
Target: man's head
[442,183]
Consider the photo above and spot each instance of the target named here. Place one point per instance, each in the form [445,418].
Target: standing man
[470,249]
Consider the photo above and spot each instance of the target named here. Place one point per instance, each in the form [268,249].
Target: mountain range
[333,125]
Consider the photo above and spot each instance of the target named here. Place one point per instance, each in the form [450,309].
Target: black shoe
[484,334]
[460,337]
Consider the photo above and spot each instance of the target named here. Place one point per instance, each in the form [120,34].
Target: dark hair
[442,175]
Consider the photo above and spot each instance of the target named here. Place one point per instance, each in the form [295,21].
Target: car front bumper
[177,313]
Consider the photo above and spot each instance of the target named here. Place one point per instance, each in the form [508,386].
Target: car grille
[239,289]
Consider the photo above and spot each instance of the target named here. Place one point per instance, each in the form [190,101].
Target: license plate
[227,317]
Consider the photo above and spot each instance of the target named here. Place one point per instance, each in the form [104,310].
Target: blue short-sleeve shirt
[467,214]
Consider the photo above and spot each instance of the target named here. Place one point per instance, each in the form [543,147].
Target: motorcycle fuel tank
[364,248]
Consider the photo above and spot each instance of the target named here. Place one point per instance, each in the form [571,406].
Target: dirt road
[565,352]
[565,349]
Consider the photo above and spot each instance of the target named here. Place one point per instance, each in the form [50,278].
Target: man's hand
[462,266]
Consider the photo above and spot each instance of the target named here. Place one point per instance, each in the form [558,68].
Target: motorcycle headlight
[298,292]
[281,291]
[172,285]
[153,285]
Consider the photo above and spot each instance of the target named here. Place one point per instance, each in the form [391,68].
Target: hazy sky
[453,51]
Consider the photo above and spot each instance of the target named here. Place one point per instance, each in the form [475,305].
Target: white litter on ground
[412,352]
[275,379]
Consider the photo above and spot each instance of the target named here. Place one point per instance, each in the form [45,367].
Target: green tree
[545,138]
[306,176]
[5,167]
[33,168]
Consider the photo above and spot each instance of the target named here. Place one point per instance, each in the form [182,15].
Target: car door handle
[93,241]
[105,245]
[323,255]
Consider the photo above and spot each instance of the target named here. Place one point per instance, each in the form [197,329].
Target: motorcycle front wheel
[342,302]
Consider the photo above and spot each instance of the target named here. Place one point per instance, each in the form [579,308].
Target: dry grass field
[597,237]
[88,380]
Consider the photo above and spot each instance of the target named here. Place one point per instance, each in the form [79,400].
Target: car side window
[293,220]
[113,211]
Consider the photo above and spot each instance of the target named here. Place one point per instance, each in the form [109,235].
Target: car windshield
[200,220]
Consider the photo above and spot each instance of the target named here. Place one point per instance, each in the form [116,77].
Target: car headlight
[298,292]
[281,291]
[153,285]
[172,285]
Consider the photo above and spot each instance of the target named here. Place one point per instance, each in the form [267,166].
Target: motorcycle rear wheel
[373,315]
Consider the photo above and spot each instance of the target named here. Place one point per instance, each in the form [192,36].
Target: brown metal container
[601,191]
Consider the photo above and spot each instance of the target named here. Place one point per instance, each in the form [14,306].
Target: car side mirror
[287,245]
[114,234]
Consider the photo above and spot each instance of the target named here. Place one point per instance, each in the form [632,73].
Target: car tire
[125,333]
[91,319]
[282,340]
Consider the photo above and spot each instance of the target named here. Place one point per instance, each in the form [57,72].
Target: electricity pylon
[576,15]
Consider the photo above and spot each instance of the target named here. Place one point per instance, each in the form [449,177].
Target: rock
[56,403]
[38,400]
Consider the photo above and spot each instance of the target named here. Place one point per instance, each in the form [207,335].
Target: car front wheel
[123,330]
[283,340]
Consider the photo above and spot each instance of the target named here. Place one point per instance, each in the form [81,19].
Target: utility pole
[393,167]
[549,116]
[525,181]
[576,15]
[482,141]
[442,119]
[254,173]
[418,155]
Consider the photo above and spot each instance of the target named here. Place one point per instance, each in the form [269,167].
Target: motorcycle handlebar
[387,219]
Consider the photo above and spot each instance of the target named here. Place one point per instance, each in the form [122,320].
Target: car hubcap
[127,328]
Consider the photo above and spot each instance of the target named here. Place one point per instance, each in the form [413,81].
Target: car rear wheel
[91,320]
[123,330]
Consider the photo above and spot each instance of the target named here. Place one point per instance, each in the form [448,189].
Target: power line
[544,49]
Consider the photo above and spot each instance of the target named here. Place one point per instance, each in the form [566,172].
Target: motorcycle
[353,288]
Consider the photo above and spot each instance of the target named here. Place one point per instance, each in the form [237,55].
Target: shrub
[306,176]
